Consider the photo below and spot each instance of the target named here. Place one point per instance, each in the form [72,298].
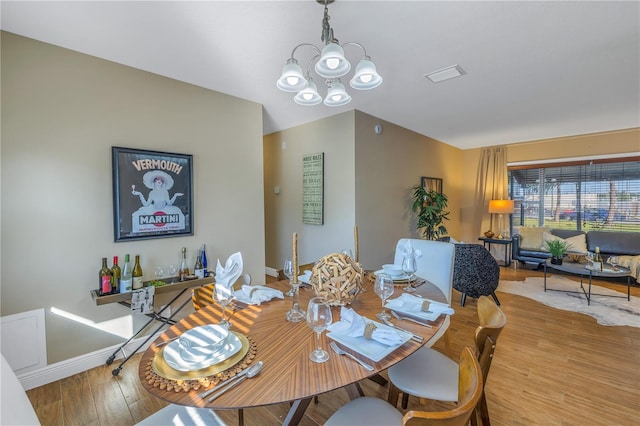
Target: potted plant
[557,248]
[430,207]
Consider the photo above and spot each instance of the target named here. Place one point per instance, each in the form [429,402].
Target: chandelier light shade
[330,64]
[308,96]
[292,78]
[366,76]
[337,95]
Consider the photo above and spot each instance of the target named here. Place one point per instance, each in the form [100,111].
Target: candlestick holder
[295,314]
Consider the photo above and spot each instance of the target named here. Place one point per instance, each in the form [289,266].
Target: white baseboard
[71,366]
[271,271]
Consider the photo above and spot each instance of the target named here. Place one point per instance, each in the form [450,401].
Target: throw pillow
[577,243]
[531,238]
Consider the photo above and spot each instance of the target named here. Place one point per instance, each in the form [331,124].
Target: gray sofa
[610,243]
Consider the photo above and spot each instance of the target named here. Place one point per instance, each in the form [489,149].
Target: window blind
[603,194]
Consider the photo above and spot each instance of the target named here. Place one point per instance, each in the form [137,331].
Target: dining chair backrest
[492,320]
[470,386]
[202,296]
[436,263]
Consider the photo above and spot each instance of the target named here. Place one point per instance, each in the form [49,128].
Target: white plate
[401,277]
[172,354]
[373,350]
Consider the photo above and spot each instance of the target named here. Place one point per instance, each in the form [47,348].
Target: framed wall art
[313,189]
[432,184]
[152,194]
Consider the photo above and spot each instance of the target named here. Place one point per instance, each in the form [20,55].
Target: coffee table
[585,270]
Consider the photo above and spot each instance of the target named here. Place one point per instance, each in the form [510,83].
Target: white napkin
[353,325]
[407,251]
[409,303]
[305,278]
[232,270]
[256,294]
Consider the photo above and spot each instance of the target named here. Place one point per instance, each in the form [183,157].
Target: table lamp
[500,207]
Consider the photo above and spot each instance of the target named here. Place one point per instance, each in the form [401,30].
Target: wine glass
[160,272]
[409,267]
[318,319]
[347,252]
[223,296]
[288,271]
[383,287]
[172,272]
[614,261]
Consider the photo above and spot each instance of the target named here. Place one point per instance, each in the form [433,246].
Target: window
[596,194]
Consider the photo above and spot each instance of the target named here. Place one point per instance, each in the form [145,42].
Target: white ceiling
[534,70]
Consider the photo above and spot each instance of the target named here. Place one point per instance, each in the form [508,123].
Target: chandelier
[330,64]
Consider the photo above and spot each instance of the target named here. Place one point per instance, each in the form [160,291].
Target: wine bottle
[104,276]
[597,260]
[137,274]
[115,276]
[126,280]
[184,269]
[203,255]
[197,269]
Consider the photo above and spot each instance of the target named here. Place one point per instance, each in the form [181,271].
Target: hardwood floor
[551,367]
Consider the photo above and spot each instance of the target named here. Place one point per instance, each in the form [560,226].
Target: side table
[506,242]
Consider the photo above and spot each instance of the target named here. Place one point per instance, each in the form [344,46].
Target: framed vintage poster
[152,194]
[313,189]
[432,184]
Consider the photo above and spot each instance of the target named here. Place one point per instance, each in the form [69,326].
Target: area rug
[606,310]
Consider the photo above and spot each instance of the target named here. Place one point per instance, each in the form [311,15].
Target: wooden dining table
[288,375]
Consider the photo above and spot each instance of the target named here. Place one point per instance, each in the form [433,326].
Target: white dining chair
[430,374]
[436,266]
[15,406]
[374,411]
[179,415]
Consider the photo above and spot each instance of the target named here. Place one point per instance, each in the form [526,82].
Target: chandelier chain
[327,31]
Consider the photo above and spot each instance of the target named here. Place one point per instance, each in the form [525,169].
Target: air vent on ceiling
[445,74]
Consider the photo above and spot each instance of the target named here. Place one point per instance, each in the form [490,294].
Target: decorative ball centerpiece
[337,278]
[489,234]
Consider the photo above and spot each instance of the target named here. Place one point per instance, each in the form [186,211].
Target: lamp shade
[337,95]
[292,79]
[501,206]
[366,77]
[332,63]
[308,96]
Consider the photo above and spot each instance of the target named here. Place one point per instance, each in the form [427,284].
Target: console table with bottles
[180,287]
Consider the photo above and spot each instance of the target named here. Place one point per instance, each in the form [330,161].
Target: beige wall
[387,166]
[367,182]
[61,113]
[615,143]
[283,152]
